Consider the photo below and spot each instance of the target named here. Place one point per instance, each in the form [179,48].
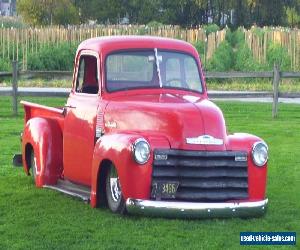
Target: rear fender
[135,179]
[44,136]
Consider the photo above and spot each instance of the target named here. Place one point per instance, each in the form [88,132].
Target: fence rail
[276,75]
[229,75]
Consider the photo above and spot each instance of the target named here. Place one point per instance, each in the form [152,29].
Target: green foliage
[185,13]
[235,38]
[210,28]
[279,55]
[223,58]
[36,12]
[53,58]
[5,65]
[11,22]
[258,31]
[65,13]
[200,47]
[155,24]
[244,60]
[243,57]
[293,16]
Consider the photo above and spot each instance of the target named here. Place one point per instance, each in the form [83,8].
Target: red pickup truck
[139,134]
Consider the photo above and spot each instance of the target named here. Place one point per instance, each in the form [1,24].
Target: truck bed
[36,110]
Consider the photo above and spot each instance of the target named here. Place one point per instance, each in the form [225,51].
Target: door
[80,120]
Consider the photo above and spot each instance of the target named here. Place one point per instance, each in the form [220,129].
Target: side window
[80,76]
[87,77]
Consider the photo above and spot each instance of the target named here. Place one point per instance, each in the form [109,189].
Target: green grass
[287,85]
[33,218]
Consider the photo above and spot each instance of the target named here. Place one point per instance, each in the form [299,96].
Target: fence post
[276,81]
[15,87]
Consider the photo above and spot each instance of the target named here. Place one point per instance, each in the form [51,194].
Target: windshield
[152,69]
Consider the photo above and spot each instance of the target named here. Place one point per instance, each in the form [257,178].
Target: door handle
[65,109]
[70,106]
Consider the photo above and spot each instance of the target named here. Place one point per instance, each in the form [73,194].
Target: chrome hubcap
[33,167]
[115,186]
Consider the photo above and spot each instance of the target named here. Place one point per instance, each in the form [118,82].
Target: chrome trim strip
[196,210]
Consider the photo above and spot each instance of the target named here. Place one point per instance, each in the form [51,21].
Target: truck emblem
[111,124]
[204,140]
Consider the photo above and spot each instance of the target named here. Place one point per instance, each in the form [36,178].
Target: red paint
[65,144]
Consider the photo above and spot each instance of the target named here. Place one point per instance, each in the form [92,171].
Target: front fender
[45,138]
[257,176]
[135,179]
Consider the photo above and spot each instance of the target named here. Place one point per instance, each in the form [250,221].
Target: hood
[177,117]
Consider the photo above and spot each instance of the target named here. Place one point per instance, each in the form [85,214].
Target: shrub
[53,58]
[11,22]
[244,60]
[200,47]
[258,31]
[155,24]
[223,58]
[235,38]
[5,65]
[278,54]
[211,28]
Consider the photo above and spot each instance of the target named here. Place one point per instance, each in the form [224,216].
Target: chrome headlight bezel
[137,146]
[258,146]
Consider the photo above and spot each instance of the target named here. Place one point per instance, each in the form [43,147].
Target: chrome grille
[203,175]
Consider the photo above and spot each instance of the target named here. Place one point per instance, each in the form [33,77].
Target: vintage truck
[139,134]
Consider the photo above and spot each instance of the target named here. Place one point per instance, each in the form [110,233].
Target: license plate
[162,189]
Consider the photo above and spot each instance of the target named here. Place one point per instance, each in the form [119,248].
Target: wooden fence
[258,40]
[17,44]
[276,75]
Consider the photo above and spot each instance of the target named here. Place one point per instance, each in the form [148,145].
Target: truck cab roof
[106,45]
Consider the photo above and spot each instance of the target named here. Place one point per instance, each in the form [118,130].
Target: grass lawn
[286,85]
[33,218]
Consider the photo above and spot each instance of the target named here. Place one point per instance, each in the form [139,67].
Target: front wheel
[115,200]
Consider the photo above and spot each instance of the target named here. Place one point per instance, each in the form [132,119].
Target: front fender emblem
[204,140]
[110,124]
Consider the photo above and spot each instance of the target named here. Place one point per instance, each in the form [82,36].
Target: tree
[65,13]
[45,12]
[31,11]
[293,18]
[185,13]
[142,11]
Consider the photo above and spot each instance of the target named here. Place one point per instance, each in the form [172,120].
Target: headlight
[141,151]
[260,153]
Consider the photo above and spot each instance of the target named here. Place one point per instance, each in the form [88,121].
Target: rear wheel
[33,165]
[115,200]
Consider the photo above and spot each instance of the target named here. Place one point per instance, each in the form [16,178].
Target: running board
[72,189]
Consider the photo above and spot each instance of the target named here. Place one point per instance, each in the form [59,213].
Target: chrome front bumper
[174,209]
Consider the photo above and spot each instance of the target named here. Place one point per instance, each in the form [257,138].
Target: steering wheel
[177,80]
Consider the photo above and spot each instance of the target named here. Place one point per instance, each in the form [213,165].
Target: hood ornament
[204,140]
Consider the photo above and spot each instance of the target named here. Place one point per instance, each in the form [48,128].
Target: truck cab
[139,134]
